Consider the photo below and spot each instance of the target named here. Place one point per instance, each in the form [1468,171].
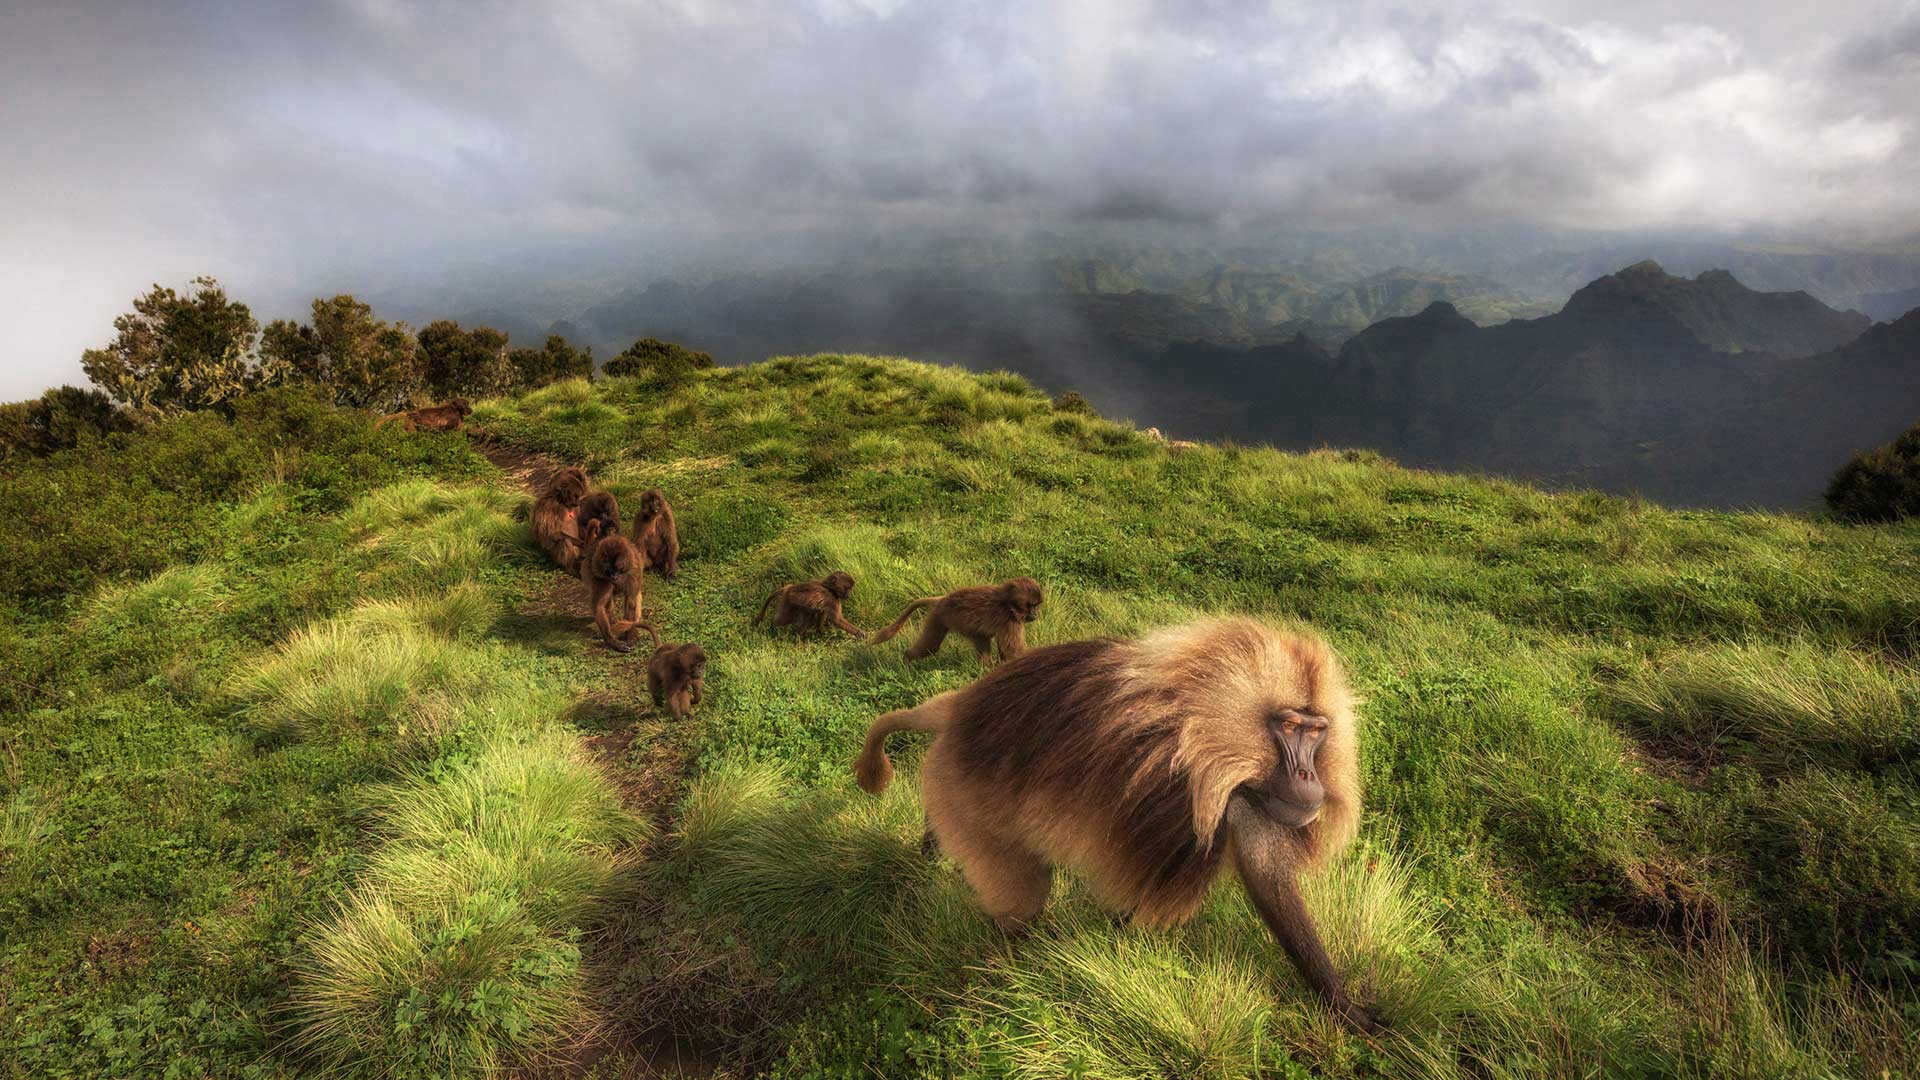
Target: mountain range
[1692,391]
[1640,382]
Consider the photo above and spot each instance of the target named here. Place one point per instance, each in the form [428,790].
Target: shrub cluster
[660,361]
[1882,484]
[204,351]
[132,502]
[60,419]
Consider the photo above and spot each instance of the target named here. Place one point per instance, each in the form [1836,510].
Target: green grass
[301,806]
[1641,783]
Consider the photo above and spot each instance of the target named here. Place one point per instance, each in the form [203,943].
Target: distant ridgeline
[1691,391]
[1697,391]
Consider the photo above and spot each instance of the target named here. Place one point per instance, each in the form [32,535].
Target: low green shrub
[1882,484]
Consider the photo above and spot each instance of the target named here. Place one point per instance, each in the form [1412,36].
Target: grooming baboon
[983,614]
[676,675]
[613,568]
[1146,765]
[655,535]
[555,527]
[598,516]
[808,606]
[447,417]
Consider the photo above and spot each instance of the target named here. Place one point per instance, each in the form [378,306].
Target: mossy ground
[1642,783]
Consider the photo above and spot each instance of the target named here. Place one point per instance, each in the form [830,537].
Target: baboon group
[1147,765]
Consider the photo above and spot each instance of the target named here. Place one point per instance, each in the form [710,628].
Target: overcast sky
[308,147]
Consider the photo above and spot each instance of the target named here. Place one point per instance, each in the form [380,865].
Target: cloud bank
[294,149]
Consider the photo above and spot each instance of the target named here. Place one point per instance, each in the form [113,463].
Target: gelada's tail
[872,768]
[900,623]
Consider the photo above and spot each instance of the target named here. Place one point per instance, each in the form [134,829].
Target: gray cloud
[416,148]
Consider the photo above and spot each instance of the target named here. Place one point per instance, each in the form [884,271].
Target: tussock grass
[526,816]
[337,677]
[472,985]
[177,589]
[1778,704]
[464,611]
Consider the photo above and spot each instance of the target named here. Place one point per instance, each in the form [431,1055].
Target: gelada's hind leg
[931,635]
[1010,882]
[980,647]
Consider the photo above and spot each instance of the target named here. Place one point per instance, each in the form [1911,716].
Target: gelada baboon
[613,569]
[597,516]
[447,417]
[808,606]
[676,675]
[554,526]
[983,614]
[655,535]
[1146,765]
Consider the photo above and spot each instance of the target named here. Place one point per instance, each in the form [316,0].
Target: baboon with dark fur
[555,527]
[655,535]
[984,614]
[598,516]
[808,606]
[1146,765]
[447,417]
[676,675]
[614,569]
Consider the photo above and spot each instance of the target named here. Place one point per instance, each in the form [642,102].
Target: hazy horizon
[429,156]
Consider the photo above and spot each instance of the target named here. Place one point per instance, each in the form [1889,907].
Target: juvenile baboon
[808,606]
[598,516]
[676,675]
[1146,765]
[654,533]
[613,569]
[555,527]
[983,614]
[447,417]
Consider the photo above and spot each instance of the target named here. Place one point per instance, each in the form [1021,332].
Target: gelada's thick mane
[1161,730]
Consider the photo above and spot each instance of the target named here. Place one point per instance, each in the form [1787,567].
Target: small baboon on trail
[676,675]
[983,614]
[1146,765]
[808,606]
[614,569]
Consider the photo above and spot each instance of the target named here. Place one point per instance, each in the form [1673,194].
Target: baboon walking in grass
[1148,766]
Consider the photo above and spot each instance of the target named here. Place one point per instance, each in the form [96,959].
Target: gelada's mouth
[1295,815]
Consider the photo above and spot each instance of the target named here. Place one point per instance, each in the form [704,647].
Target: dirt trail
[632,743]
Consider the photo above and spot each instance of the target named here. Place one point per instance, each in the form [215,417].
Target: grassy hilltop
[309,761]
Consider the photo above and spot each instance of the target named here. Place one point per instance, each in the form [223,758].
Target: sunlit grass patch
[417,503]
[526,816]
[177,589]
[459,950]
[466,610]
[1779,704]
[469,986]
[375,666]
[564,392]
